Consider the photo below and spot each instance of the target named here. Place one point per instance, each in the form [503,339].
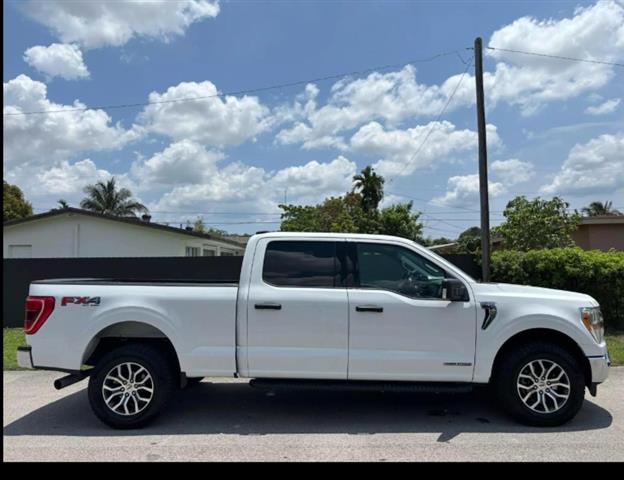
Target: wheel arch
[124,332]
[543,335]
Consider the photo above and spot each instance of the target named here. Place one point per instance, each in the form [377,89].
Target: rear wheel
[541,384]
[131,385]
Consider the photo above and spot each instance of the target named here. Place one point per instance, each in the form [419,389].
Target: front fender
[491,340]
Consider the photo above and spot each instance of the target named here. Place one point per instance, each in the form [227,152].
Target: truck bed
[131,281]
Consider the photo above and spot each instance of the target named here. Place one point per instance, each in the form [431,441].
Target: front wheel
[541,384]
[130,386]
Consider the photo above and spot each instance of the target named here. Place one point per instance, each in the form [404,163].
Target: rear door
[297,310]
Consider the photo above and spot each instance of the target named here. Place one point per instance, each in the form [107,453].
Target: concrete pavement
[226,420]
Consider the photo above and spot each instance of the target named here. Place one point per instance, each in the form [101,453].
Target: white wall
[75,235]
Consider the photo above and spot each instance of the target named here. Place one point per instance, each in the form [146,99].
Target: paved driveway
[228,420]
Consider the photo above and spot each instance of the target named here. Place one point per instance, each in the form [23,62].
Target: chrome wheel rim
[128,389]
[543,386]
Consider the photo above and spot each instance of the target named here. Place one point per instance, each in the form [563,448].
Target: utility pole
[483,177]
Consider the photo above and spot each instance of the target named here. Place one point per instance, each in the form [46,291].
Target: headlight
[592,319]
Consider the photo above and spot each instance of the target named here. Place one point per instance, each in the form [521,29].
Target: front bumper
[599,367]
[24,357]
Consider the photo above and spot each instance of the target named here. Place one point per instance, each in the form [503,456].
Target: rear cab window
[290,263]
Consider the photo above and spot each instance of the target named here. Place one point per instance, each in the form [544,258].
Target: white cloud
[63,179]
[312,182]
[607,107]
[253,189]
[526,81]
[463,190]
[39,140]
[513,171]
[96,24]
[69,179]
[397,147]
[595,32]
[389,97]
[57,60]
[183,162]
[213,120]
[591,168]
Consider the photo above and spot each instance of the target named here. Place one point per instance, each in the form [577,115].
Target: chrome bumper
[599,368]
[24,357]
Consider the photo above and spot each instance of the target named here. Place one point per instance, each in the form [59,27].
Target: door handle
[268,306]
[369,308]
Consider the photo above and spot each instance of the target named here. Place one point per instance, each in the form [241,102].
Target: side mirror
[454,290]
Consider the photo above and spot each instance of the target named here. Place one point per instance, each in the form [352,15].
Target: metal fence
[17,274]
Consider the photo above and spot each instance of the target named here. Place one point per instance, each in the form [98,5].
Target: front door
[297,311]
[400,327]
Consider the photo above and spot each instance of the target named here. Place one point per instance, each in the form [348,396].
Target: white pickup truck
[319,310]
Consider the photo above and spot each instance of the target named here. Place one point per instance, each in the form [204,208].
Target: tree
[469,241]
[335,214]
[63,205]
[537,224]
[14,205]
[370,186]
[215,231]
[199,225]
[106,198]
[398,220]
[595,209]
[346,215]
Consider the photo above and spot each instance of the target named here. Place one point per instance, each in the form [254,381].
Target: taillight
[38,309]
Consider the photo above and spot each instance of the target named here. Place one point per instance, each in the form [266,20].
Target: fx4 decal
[90,301]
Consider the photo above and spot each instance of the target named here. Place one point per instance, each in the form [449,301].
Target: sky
[194,130]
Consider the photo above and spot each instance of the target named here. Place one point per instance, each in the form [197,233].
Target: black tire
[507,389]
[163,381]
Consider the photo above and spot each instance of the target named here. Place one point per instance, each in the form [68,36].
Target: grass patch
[615,343]
[12,338]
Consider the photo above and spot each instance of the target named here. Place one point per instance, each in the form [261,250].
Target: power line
[244,92]
[434,123]
[560,57]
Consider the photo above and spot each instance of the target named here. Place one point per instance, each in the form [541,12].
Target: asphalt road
[226,420]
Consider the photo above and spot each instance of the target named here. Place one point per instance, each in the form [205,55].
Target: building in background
[600,233]
[76,233]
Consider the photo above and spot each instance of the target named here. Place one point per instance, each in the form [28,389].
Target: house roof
[129,220]
[444,245]
[602,220]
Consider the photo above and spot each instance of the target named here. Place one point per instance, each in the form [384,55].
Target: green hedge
[596,273]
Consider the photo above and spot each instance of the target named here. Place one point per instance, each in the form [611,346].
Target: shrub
[596,273]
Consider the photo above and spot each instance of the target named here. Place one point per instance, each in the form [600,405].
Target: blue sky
[556,127]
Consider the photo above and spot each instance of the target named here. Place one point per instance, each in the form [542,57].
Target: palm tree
[598,208]
[370,186]
[104,197]
[63,205]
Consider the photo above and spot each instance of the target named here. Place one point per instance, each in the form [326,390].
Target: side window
[398,269]
[300,264]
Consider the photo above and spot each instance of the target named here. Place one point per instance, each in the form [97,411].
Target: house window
[20,251]
[226,254]
[192,251]
[208,252]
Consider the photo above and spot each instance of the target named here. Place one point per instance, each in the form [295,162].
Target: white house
[73,232]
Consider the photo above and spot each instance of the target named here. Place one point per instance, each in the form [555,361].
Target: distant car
[319,310]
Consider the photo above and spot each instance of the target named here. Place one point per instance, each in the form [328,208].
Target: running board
[359,385]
